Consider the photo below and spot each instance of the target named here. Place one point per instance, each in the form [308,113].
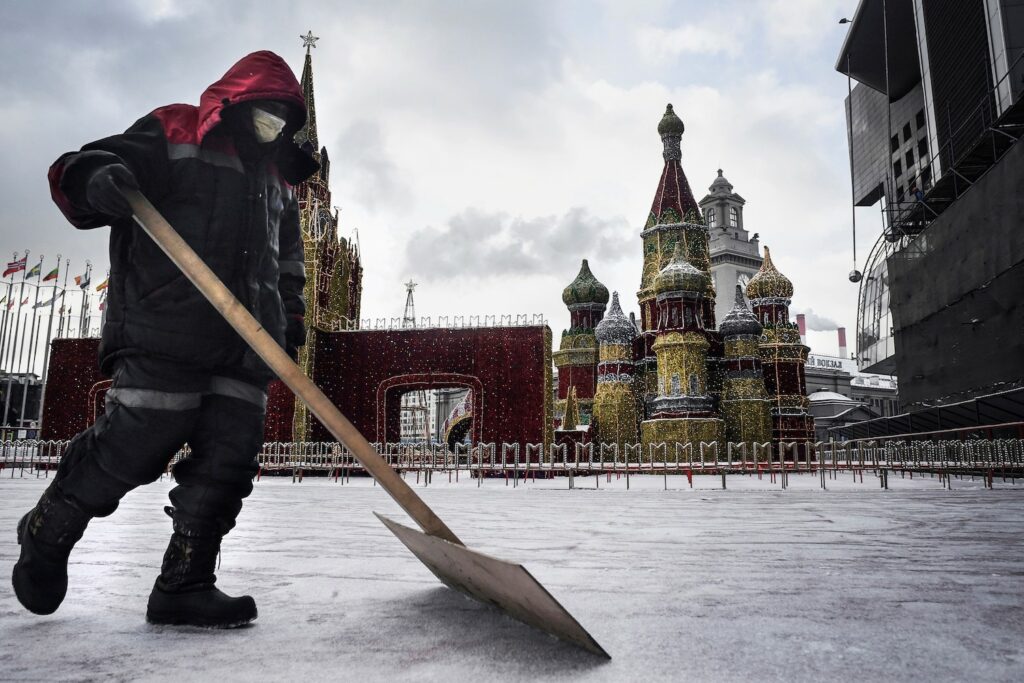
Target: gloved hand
[294,336]
[103,191]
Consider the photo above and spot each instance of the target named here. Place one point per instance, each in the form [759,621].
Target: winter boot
[47,533]
[185,594]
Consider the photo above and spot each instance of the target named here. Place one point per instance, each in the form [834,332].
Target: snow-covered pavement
[747,584]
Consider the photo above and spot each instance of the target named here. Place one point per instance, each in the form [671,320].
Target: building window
[897,169]
[907,133]
[711,217]
[734,217]
[894,144]
[694,385]
[676,387]
[920,120]
[910,157]
[922,148]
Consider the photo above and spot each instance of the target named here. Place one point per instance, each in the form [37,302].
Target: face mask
[266,126]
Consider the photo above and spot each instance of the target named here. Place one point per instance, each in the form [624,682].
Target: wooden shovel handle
[275,357]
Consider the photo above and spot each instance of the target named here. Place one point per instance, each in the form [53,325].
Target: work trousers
[153,408]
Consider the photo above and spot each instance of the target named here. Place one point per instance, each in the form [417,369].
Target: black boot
[47,533]
[185,593]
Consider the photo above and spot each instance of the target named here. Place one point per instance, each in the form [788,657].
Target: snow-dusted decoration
[744,400]
[617,400]
[686,380]
[783,355]
[334,271]
[576,358]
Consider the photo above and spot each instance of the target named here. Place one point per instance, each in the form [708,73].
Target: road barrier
[515,462]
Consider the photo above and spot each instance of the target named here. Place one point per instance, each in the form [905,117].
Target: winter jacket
[241,218]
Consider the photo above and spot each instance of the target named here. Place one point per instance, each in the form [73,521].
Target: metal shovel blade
[509,587]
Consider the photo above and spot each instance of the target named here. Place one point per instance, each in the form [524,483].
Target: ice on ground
[748,584]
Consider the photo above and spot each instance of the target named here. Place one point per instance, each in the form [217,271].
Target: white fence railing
[519,460]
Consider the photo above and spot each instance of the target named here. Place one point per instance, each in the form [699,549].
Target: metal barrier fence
[522,461]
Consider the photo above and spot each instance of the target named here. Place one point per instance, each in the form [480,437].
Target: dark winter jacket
[241,217]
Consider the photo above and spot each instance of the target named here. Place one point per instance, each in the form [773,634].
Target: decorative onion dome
[585,289]
[680,275]
[670,123]
[721,184]
[740,320]
[615,328]
[769,283]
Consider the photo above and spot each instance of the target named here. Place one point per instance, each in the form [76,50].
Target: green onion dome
[585,289]
[670,123]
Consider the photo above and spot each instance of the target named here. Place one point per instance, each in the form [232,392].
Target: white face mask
[266,126]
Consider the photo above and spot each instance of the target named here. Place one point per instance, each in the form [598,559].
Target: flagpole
[7,310]
[63,294]
[14,340]
[46,348]
[24,377]
[82,330]
[29,354]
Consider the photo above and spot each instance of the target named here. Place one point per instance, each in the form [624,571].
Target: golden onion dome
[769,283]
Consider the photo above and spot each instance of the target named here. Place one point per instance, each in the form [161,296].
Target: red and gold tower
[674,219]
[576,358]
[617,403]
[782,354]
[683,411]
[744,401]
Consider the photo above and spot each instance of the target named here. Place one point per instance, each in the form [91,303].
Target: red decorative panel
[71,380]
[365,372]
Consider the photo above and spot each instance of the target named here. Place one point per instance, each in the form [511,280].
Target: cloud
[816,322]
[660,45]
[366,169]
[482,244]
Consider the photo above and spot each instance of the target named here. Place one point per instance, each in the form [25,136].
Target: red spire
[674,199]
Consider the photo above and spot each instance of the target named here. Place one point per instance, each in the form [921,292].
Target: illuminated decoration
[507,370]
[334,272]
[683,410]
[617,403]
[73,378]
[576,358]
[674,218]
[744,401]
[783,356]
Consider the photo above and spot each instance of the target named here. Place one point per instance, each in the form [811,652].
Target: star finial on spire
[309,40]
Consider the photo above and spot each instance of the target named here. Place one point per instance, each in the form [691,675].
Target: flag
[15,266]
[46,303]
[25,301]
[103,285]
[35,270]
[82,280]
[4,299]
[52,275]
[10,304]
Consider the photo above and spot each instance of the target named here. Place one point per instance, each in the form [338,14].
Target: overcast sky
[480,148]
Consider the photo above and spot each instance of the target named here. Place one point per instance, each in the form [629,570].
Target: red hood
[258,76]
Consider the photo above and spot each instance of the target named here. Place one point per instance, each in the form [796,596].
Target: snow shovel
[509,587]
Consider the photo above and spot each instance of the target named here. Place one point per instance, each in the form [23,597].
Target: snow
[751,583]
